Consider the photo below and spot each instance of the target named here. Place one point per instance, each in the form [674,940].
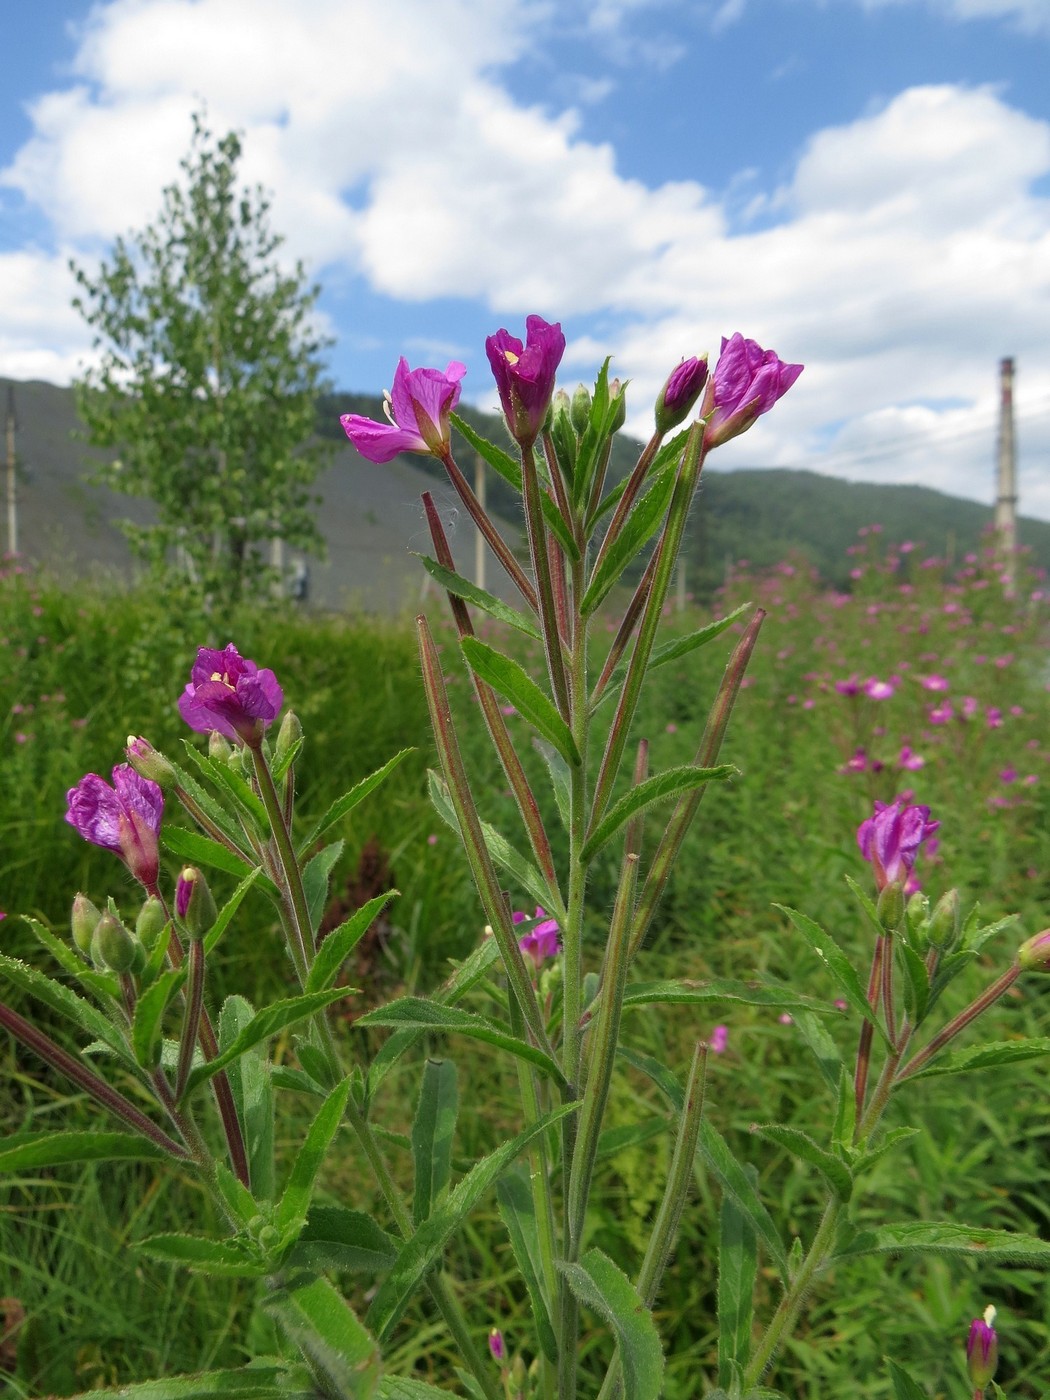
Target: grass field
[923,678]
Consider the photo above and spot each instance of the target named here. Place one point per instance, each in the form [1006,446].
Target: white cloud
[1032,16]
[904,255]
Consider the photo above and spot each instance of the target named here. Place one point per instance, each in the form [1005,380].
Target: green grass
[783,830]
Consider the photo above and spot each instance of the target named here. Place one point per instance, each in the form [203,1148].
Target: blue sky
[862,184]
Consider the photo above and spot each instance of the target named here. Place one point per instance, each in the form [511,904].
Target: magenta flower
[718,1040]
[875,689]
[681,391]
[418,406]
[942,713]
[891,839]
[496,1344]
[933,682]
[541,942]
[909,759]
[746,383]
[229,695]
[982,1349]
[850,686]
[524,375]
[124,818]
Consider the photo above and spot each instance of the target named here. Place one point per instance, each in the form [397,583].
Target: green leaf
[670,784]
[238,1198]
[836,962]
[624,1135]
[191,846]
[824,1049]
[158,958]
[422,1014]
[26,1151]
[335,1237]
[100,984]
[295,1200]
[665,1080]
[228,910]
[337,946]
[666,462]
[518,1211]
[639,527]
[404,1388]
[988,1056]
[316,875]
[281,765]
[324,1327]
[212,809]
[463,588]
[349,800]
[264,1024]
[502,463]
[66,1002]
[868,905]
[251,1085]
[885,1144]
[432,1132]
[735,1180]
[681,646]
[246,1383]
[423,1250]
[218,1258]
[988,1246]
[737,1271]
[834,1171]
[683,991]
[560,778]
[599,1285]
[904,1388]
[233,783]
[916,981]
[146,1025]
[507,677]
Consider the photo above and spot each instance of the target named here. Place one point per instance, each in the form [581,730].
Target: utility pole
[12,481]
[1006,491]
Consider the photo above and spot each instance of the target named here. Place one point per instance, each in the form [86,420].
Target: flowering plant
[556,997]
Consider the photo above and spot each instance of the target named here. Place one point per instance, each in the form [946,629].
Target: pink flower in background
[124,818]
[849,686]
[541,942]
[933,682]
[524,375]
[892,837]
[909,759]
[718,1040]
[875,689]
[418,405]
[856,763]
[969,706]
[747,382]
[993,717]
[1008,775]
[942,713]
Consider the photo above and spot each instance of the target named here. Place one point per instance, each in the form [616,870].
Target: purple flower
[496,1345]
[891,838]
[933,682]
[718,1040]
[418,406]
[982,1349]
[850,686]
[541,942]
[124,818]
[524,375]
[228,694]
[746,383]
[681,391]
[908,758]
[875,689]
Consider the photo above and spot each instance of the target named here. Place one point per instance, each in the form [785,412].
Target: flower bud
[83,922]
[112,944]
[289,734]
[618,397]
[580,409]
[1034,954]
[945,924]
[194,904]
[496,1345]
[150,923]
[675,400]
[890,906]
[219,747]
[148,762]
[982,1350]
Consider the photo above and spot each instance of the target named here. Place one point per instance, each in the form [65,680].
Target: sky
[861,185]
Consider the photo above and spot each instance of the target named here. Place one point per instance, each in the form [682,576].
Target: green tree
[208,379]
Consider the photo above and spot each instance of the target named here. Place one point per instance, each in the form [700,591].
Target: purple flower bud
[746,383]
[496,1346]
[541,942]
[676,398]
[148,762]
[982,1349]
[418,406]
[718,1040]
[229,693]
[524,375]
[194,904]
[891,838]
[1034,954]
[124,818]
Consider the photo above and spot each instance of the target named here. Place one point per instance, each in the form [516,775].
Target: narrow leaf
[665,1080]
[836,962]
[295,1200]
[683,991]
[146,1027]
[989,1246]
[904,1388]
[507,677]
[681,646]
[341,942]
[735,1180]
[824,1049]
[737,1271]
[264,1024]
[670,784]
[98,983]
[599,1285]
[202,850]
[560,778]
[518,1210]
[228,910]
[218,1258]
[349,800]
[639,527]
[316,874]
[989,1056]
[232,783]
[251,1084]
[26,1151]
[405,1388]
[834,1171]
[246,1383]
[463,588]
[337,1238]
[324,1327]
[432,1132]
[63,1000]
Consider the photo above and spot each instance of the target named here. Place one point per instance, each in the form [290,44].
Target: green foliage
[208,379]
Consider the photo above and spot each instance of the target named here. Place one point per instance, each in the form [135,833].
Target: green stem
[192,1018]
[539,1167]
[959,1023]
[492,536]
[626,501]
[537,532]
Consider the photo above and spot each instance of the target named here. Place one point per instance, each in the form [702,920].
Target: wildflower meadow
[594,995]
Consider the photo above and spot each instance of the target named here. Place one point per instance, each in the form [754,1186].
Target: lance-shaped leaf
[324,1327]
[512,682]
[27,1151]
[264,1024]
[737,1271]
[191,846]
[100,984]
[423,1250]
[223,776]
[246,1383]
[462,587]
[904,1388]
[217,1258]
[639,527]
[433,1129]
[681,646]
[349,800]
[824,1049]
[252,1088]
[405,1388]
[599,1285]
[989,1056]
[947,1237]
[295,1199]
[316,874]
[672,783]
[335,1237]
[518,1210]
[341,942]
[685,992]
[228,910]
[206,804]
[63,1000]
[420,1013]
[735,1180]
[836,962]
[560,777]
[146,1027]
[665,1079]
[834,1171]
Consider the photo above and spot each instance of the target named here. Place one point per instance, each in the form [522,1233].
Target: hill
[372,520]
